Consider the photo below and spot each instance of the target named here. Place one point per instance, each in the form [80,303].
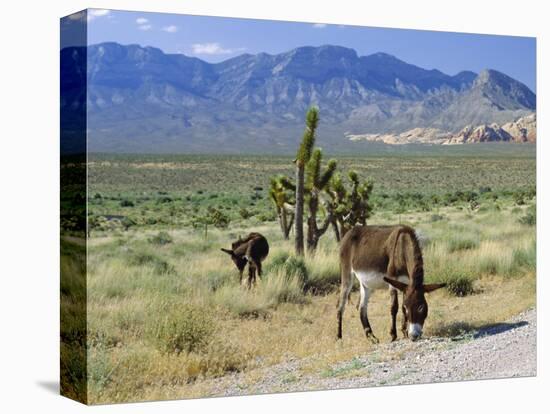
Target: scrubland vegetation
[166,313]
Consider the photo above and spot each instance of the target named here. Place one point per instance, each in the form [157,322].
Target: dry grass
[136,285]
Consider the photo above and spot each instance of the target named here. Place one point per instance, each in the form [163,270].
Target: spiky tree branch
[349,207]
[282,200]
[302,158]
[316,183]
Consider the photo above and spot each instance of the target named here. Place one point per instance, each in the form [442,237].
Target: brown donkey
[252,250]
[385,257]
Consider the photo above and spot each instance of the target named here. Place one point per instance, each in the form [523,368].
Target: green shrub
[461,243]
[148,259]
[290,266]
[161,239]
[524,259]
[323,275]
[460,285]
[245,214]
[126,203]
[276,261]
[218,359]
[184,328]
[244,303]
[530,218]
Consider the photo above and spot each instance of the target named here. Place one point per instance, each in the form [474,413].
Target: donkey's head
[414,304]
[240,261]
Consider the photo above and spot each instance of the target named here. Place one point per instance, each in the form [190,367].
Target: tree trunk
[334,224]
[312,236]
[282,221]
[299,216]
[289,226]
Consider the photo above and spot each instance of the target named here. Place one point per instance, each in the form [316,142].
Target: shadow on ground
[461,329]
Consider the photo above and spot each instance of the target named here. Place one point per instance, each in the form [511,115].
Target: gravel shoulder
[499,351]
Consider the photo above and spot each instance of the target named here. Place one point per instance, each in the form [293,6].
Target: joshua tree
[282,199]
[348,207]
[302,158]
[316,183]
[212,217]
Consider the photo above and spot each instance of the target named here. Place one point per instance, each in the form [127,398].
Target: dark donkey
[385,257]
[252,250]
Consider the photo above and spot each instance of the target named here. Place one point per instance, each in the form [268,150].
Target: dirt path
[502,350]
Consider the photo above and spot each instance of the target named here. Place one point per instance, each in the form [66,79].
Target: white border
[29,207]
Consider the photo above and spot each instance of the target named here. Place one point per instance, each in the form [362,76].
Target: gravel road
[503,350]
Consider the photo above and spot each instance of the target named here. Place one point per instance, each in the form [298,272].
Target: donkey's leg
[259,267]
[404,322]
[363,314]
[345,290]
[394,307]
[251,274]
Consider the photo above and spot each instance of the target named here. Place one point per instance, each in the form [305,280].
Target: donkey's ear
[229,252]
[433,286]
[396,284]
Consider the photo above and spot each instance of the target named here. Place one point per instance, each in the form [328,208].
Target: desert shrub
[243,303]
[266,216]
[290,266]
[161,238]
[323,272]
[519,198]
[183,328]
[126,203]
[461,243]
[276,261]
[283,287]
[279,287]
[160,265]
[100,368]
[218,359]
[245,214]
[524,259]
[530,217]
[436,217]
[460,285]
[216,279]
[164,200]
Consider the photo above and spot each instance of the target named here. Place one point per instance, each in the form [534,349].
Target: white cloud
[142,20]
[319,25]
[170,29]
[213,49]
[95,13]
[145,27]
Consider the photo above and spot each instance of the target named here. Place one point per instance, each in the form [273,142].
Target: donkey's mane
[240,242]
[418,269]
[417,276]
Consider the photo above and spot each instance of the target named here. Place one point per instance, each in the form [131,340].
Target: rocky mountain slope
[143,100]
[521,130]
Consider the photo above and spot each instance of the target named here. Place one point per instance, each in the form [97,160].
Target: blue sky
[215,39]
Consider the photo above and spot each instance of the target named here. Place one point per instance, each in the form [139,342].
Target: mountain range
[140,99]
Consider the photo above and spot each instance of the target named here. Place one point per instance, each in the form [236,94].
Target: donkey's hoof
[372,338]
[393,337]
